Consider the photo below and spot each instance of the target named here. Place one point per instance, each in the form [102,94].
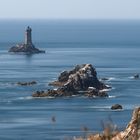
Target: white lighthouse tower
[28,37]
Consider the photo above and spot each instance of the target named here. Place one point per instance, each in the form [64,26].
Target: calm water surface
[113,47]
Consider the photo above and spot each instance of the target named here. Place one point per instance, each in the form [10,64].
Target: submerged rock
[28,47]
[26,83]
[116,106]
[77,81]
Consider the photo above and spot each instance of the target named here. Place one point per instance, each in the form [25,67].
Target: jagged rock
[63,92]
[60,92]
[26,83]
[64,76]
[57,84]
[40,94]
[28,47]
[102,94]
[79,78]
[116,106]
[93,92]
[77,81]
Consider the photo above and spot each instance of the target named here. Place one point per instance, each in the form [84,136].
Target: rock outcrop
[136,76]
[82,80]
[27,83]
[25,49]
[60,92]
[132,131]
[116,107]
[93,92]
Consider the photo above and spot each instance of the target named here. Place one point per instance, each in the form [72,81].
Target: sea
[111,46]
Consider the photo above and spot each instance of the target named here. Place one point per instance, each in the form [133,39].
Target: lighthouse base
[25,49]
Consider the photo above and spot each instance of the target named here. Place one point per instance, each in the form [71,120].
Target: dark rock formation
[40,94]
[116,106]
[82,80]
[60,92]
[25,49]
[136,76]
[28,47]
[63,92]
[27,83]
[93,92]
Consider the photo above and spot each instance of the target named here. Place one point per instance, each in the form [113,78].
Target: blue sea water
[112,47]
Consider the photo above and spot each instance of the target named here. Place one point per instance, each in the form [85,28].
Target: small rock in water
[136,76]
[116,106]
[26,83]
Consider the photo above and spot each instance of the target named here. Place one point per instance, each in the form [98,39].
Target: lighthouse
[28,37]
[27,47]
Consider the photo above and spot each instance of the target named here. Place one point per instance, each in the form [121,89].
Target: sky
[69,9]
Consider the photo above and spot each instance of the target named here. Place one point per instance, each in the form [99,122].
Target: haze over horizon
[70,9]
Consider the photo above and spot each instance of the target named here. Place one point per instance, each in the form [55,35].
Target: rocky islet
[27,83]
[27,47]
[81,80]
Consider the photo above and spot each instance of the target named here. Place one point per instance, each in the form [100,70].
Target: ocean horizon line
[68,19]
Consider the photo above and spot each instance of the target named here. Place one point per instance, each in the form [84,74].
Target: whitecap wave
[47,97]
[105,90]
[117,110]
[112,96]
[100,107]
[113,88]
[75,95]
[111,78]
[7,85]
[25,98]
[108,79]
[131,77]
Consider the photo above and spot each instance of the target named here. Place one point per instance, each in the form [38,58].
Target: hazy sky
[95,9]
